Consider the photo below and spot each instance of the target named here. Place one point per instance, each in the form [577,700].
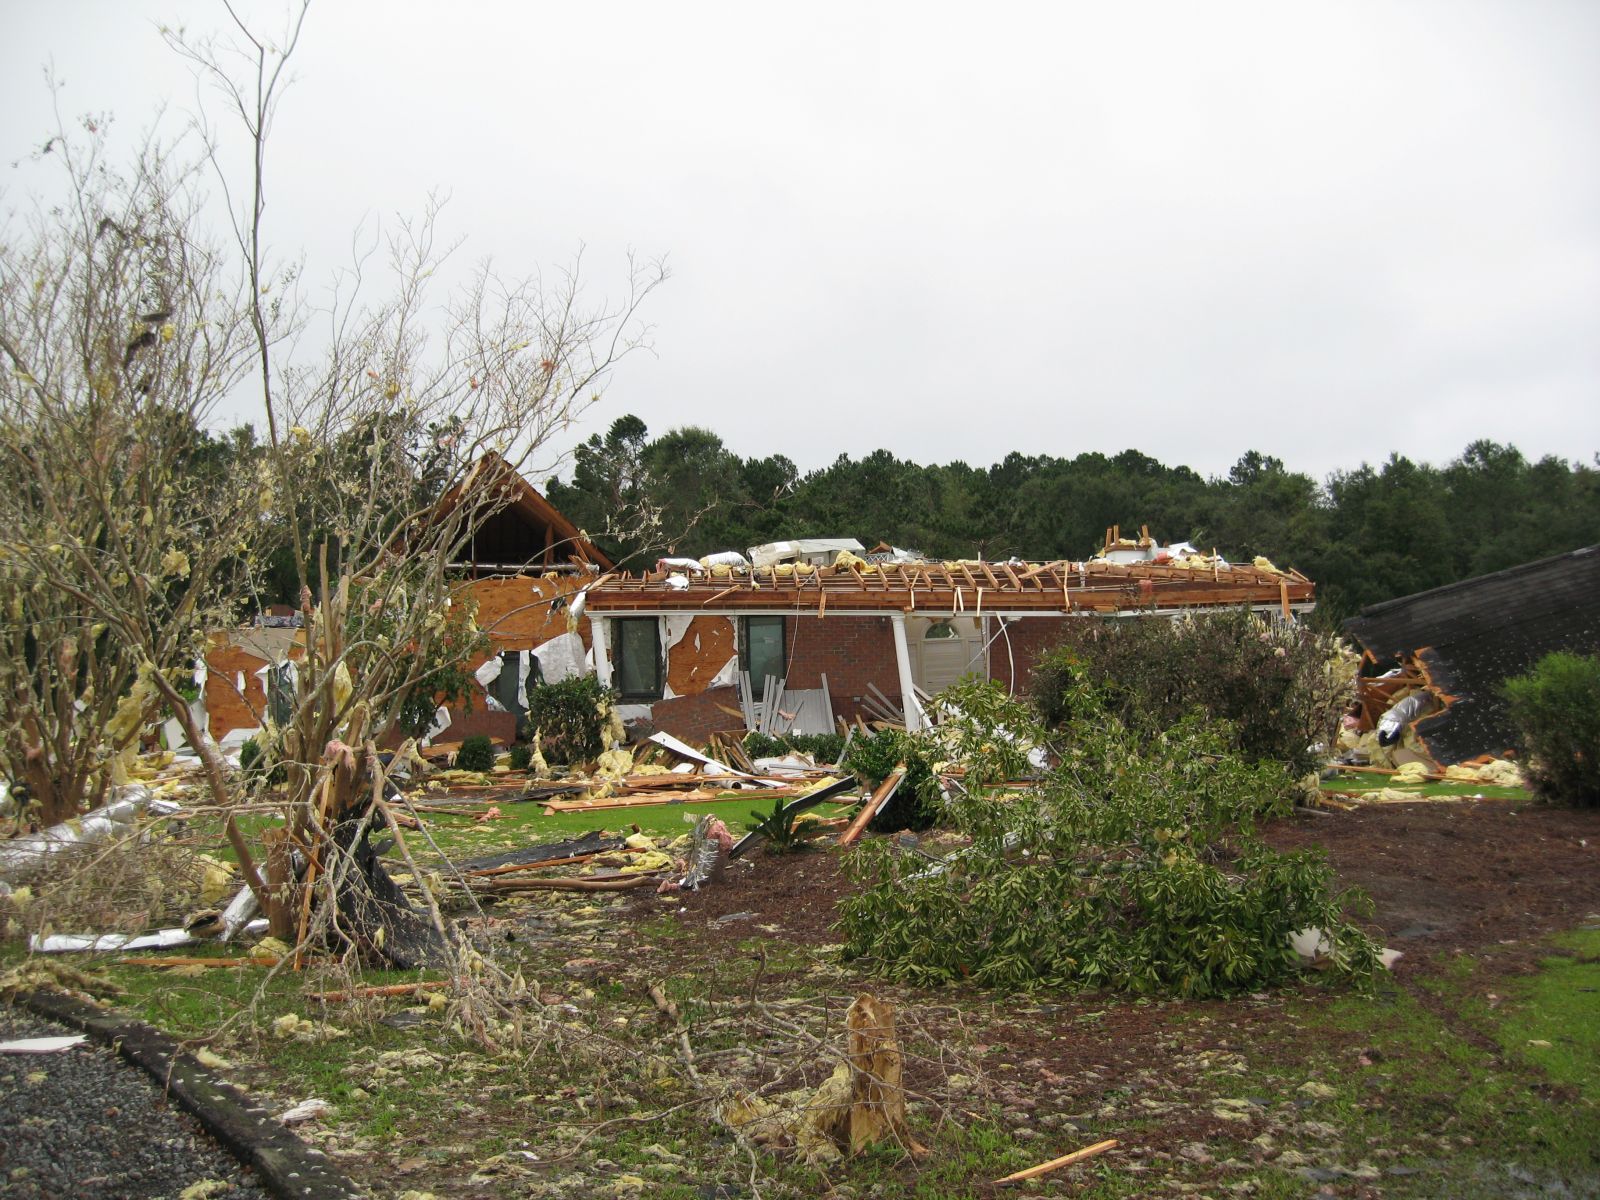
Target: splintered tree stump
[877,1097]
[280,884]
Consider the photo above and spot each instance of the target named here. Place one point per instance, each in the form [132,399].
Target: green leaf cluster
[1136,866]
[1556,708]
[1279,687]
[570,718]
[476,754]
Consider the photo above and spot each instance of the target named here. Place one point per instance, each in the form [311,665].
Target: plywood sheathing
[520,612]
[700,655]
[243,652]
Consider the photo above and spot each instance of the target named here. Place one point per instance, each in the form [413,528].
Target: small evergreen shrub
[476,754]
[521,756]
[570,718]
[822,747]
[255,765]
[1556,709]
[1280,687]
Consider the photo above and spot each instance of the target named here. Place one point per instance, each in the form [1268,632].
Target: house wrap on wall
[673,643]
[522,565]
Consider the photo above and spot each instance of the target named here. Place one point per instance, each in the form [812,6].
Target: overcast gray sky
[1324,231]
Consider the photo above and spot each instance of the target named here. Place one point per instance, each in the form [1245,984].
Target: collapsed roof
[1468,637]
[970,587]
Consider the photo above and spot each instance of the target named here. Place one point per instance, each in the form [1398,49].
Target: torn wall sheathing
[842,621]
[1467,638]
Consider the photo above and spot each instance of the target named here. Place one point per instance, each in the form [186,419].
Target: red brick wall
[694,719]
[851,652]
[1028,638]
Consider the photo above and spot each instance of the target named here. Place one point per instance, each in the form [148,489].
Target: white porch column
[902,657]
[602,650]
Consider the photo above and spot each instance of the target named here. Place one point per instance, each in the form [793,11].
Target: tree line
[1366,534]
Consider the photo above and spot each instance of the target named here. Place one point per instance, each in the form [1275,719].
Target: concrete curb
[285,1165]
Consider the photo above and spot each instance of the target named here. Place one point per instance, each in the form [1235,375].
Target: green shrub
[1136,866]
[570,718]
[254,763]
[1556,709]
[822,747]
[1280,687]
[476,754]
[521,756]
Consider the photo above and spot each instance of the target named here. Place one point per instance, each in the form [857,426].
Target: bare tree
[121,329]
[395,421]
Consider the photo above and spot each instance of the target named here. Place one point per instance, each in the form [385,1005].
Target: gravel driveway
[83,1123]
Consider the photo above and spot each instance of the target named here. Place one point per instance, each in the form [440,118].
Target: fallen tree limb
[392,989]
[549,862]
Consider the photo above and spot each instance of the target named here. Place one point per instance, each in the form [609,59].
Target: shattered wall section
[235,696]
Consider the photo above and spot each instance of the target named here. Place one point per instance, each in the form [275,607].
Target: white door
[944,651]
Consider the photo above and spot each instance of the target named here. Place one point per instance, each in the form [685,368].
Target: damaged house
[1453,647]
[523,565]
[874,639]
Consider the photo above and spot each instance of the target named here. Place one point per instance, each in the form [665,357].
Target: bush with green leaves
[570,718]
[1136,866]
[521,756]
[1280,686]
[1556,709]
[476,754]
[822,747]
[257,766]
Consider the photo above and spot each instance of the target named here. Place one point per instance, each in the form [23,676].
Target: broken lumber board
[178,960]
[1063,1161]
[573,885]
[555,806]
[873,806]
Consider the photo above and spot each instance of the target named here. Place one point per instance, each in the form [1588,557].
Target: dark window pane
[639,658]
[763,640]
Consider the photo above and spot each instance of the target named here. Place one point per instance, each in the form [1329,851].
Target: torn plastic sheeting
[562,658]
[23,857]
[161,939]
[725,558]
[691,565]
[668,742]
[43,1045]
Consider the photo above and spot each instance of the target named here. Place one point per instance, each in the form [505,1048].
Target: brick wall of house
[1021,645]
[851,651]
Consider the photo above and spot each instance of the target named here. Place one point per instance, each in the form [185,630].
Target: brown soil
[1443,876]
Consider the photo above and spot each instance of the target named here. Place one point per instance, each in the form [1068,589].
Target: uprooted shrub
[1280,686]
[570,718]
[1556,709]
[984,736]
[1136,866]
